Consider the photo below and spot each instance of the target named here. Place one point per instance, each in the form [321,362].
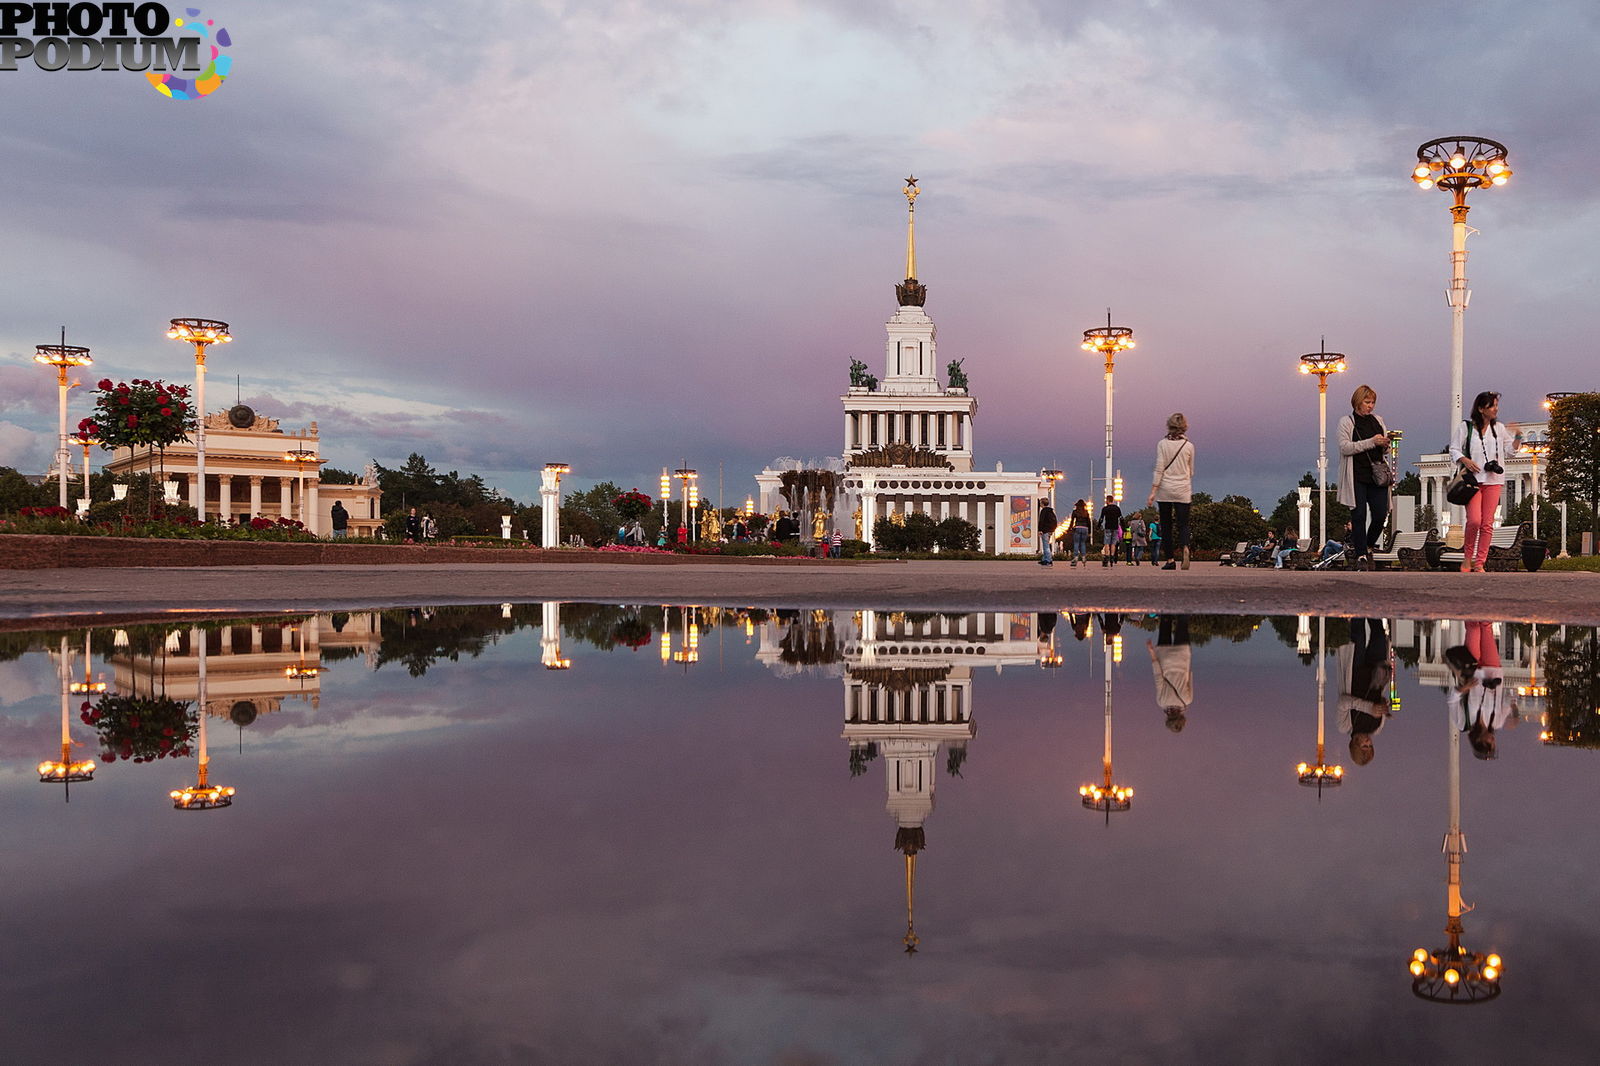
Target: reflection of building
[908,442]
[908,684]
[248,474]
[252,667]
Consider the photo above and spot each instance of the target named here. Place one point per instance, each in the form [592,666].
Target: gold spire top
[911,939]
[912,192]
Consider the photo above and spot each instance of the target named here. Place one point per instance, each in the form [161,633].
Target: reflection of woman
[1482,702]
[1480,446]
[1173,666]
[1365,670]
[1363,444]
[1172,486]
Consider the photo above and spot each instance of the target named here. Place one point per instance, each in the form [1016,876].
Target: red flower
[123,400]
[166,410]
[107,756]
[133,420]
[104,383]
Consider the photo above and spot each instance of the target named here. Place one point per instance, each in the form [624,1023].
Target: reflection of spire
[1320,775]
[911,940]
[1453,974]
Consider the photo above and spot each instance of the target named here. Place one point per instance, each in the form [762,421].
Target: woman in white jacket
[1480,444]
[1362,440]
[1172,487]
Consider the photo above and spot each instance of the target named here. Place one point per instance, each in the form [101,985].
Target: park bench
[1232,558]
[1406,551]
[1505,550]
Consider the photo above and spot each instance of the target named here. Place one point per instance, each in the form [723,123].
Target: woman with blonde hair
[1172,488]
[1363,487]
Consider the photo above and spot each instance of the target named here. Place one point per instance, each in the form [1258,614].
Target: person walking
[1110,530]
[341,520]
[413,528]
[1138,538]
[1047,532]
[1081,523]
[1364,473]
[1480,446]
[1172,487]
[1172,663]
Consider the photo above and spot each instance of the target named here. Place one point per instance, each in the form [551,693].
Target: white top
[1173,478]
[1174,675]
[1481,448]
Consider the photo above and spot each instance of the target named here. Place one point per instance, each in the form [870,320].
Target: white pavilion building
[908,439]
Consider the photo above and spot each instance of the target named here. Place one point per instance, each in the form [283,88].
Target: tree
[1240,501]
[1223,525]
[1286,515]
[16,492]
[956,534]
[1410,485]
[1574,470]
[140,413]
[330,475]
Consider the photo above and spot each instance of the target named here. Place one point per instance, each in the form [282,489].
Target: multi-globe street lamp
[67,770]
[1108,340]
[86,440]
[63,357]
[202,333]
[1107,796]
[1322,363]
[1457,165]
[202,795]
[1053,478]
[691,498]
[1536,450]
[301,458]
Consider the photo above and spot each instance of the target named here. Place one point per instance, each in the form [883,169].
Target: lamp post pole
[550,498]
[1322,363]
[1457,164]
[202,333]
[1320,775]
[1108,340]
[63,357]
[301,458]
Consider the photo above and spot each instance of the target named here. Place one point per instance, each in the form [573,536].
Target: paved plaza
[113,593]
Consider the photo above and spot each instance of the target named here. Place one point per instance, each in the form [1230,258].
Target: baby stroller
[1336,561]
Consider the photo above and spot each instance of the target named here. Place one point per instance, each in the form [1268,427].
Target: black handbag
[1460,489]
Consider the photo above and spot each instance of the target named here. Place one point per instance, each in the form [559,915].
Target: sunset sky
[628,235]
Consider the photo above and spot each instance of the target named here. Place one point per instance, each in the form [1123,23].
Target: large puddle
[599,834]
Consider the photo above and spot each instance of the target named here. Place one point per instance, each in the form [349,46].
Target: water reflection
[685,846]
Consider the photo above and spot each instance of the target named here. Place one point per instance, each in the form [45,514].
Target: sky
[626,236]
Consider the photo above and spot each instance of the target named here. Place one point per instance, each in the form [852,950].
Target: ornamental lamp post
[690,495]
[1456,165]
[202,333]
[1052,478]
[1322,363]
[1536,450]
[63,357]
[550,501]
[1319,775]
[301,458]
[87,440]
[1107,796]
[1108,340]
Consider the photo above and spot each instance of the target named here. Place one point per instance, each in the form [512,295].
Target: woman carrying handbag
[1480,445]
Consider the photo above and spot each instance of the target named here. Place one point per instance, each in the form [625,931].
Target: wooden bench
[1232,558]
[1505,550]
[1406,552]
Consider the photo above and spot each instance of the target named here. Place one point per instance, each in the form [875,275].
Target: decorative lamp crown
[1457,164]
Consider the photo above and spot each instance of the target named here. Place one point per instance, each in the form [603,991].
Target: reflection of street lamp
[1108,340]
[202,796]
[62,356]
[67,770]
[1320,775]
[301,458]
[1108,796]
[1456,164]
[550,638]
[1322,363]
[1452,974]
[202,333]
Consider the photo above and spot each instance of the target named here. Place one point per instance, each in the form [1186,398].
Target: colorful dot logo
[215,73]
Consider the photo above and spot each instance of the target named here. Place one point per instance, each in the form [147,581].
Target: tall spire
[910,293]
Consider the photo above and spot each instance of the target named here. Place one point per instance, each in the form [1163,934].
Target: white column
[869,509]
[313,520]
[224,498]
[550,501]
[285,497]
[255,496]
[1305,514]
[200,440]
